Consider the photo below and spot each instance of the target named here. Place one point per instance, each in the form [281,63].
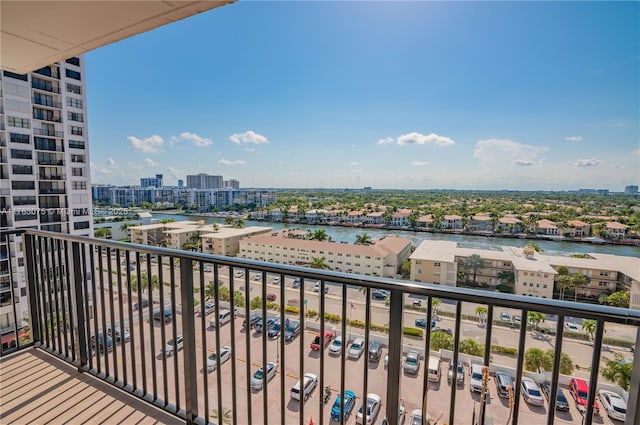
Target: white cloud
[385,141]
[195,139]
[503,150]
[149,145]
[100,169]
[111,162]
[420,139]
[419,163]
[354,163]
[150,162]
[249,149]
[227,162]
[573,138]
[586,162]
[248,137]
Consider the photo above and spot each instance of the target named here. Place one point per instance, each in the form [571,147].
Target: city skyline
[490,96]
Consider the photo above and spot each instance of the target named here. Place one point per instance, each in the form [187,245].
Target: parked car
[212,360]
[258,377]
[315,344]
[274,329]
[579,390]
[310,381]
[296,283]
[416,417]
[375,351]
[101,342]
[379,294]
[505,317]
[141,304]
[276,280]
[271,296]
[336,346]
[291,329]
[356,348]
[448,331]
[421,323]
[126,336]
[475,372]
[412,362]
[571,327]
[531,392]
[252,321]
[613,404]
[208,308]
[257,276]
[173,345]
[349,402]
[459,373]
[373,407]
[208,267]
[561,401]
[503,382]
[258,325]
[224,316]
[164,315]
[239,273]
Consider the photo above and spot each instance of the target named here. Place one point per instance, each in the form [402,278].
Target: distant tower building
[232,183]
[152,181]
[180,183]
[204,181]
[631,190]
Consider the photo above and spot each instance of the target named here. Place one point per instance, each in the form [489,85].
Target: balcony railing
[46,102]
[84,296]
[46,132]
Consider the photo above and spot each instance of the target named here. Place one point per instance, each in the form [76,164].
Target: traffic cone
[311,421]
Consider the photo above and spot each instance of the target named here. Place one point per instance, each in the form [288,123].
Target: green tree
[224,416]
[566,364]
[363,239]
[471,347]
[238,298]
[441,340]
[535,318]
[578,280]
[239,223]
[224,294]
[535,246]
[319,263]
[619,299]
[563,283]
[405,269]
[589,327]
[210,291]
[507,277]
[216,227]
[618,371]
[474,263]
[228,221]
[255,303]
[537,360]
[103,233]
[482,311]
[435,303]
[167,220]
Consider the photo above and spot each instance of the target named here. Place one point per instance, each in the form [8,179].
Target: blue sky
[407,95]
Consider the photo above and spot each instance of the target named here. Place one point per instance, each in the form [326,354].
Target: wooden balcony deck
[37,388]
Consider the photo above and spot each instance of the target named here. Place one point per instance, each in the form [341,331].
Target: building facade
[152,181]
[204,181]
[44,164]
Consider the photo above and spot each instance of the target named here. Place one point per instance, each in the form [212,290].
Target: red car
[271,296]
[579,389]
[328,336]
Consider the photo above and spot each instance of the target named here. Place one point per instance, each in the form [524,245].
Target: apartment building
[44,164]
[154,234]
[616,230]
[152,181]
[546,227]
[382,258]
[440,261]
[577,228]
[480,223]
[226,240]
[205,181]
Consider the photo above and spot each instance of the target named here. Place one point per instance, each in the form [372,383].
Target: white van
[434,369]
[224,316]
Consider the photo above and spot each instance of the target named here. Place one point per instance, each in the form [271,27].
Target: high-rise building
[44,163]
[152,181]
[205,181]
[232,183]
[631,190]
[180,183]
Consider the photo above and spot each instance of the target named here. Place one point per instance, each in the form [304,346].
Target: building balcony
[46,102]
[45,86]
[46,132]
[82,287]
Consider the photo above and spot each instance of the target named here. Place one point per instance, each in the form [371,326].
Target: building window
[21,154]
[22,169]
[601,283]
[76,131]
[76,144]
[72,88]
[19,122]
[74,61]
[22,77]
[19,138]
[73,102]
[604,274]
[76,116]
[79,185]
[436,264]
[73,74]
[81,225]
[76,172]
[23,185]
[544,286]
[77,158]
[24,200]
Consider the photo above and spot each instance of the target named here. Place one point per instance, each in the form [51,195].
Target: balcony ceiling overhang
[37,33]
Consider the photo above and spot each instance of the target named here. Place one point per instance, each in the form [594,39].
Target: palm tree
[363,239]
[210,291]
[471,347]
[239,223]
[566,364]
[319,263]
[537,360]
[320,235]
[563,283]
[475,263]
[578,280]
[535,317]
[481,311]
[507,277]
[224,416]
[216,227]
[167,220]
[103,233]
[435,303]
[618,371]
[589,326]
[441,340]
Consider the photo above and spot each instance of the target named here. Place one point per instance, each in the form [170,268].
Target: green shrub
[255,303]
[510,351]
[330,317]
[292,309]
[618,342]
[273,306]
[381,328]
[357,323]
[312,313]
[576,335]
[408,331]
[415,308]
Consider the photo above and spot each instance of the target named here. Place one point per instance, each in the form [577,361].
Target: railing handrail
[542,305]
